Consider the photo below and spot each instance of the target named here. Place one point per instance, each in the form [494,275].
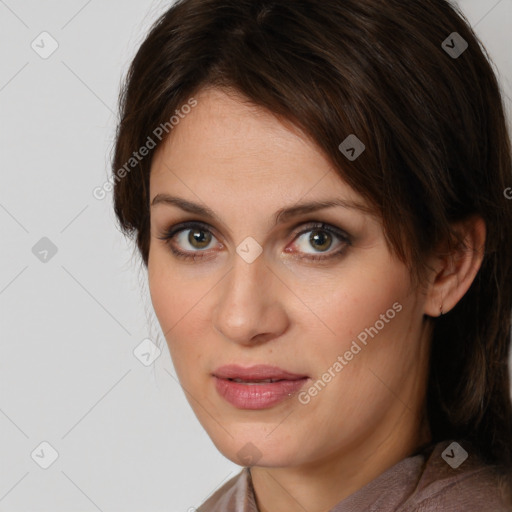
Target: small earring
[441,310]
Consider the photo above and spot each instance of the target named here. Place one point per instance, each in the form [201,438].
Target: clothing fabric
[432,480]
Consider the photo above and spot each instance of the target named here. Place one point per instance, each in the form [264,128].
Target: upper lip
[257,372]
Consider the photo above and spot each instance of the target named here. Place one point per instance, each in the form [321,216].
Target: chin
[254,447]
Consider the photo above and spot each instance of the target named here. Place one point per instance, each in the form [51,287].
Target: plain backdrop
[116,435]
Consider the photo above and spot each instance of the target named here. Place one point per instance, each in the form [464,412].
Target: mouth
[246,381]
[257,387]
[256,374]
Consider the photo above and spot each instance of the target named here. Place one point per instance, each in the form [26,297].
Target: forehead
[225,127]
[234,149]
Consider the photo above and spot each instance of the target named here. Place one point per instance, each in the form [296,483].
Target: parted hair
[437,151]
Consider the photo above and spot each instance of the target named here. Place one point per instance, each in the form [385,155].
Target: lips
[255,374]
[257,387]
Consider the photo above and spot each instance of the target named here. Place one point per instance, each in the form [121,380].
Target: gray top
[442,477]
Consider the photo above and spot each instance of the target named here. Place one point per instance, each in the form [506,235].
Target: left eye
[199,237]
[320,236]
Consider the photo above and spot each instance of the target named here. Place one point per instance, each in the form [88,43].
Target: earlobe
[455,271]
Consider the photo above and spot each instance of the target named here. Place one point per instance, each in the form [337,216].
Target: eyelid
[182,226]
[298,229]
[309,226]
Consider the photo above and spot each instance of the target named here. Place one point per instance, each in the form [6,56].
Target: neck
[319,486]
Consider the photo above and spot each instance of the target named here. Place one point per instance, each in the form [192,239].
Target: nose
[250,306]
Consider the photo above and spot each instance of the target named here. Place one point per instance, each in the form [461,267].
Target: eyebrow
[281,215]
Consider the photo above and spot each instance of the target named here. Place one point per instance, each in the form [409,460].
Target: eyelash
[171,233]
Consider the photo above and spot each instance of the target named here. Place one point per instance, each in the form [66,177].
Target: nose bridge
[247,305]
[243,287]
[249,266]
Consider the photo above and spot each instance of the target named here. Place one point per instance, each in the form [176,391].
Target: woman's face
[329,305]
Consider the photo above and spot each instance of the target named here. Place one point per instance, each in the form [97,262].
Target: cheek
[165,297]
[172,295]
[344,305]
[177,304]
[368,315]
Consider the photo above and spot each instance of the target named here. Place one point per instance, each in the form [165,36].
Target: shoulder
[455,479]
[234,496]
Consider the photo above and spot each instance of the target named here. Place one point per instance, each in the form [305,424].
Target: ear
[453,272]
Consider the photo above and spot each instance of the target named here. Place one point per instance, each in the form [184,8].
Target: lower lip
[257,396]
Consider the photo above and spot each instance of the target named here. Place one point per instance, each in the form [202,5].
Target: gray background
[125,435]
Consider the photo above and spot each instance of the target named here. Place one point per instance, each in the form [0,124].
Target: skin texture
[297,314]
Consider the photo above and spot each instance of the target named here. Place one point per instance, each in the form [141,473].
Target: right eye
[194,234]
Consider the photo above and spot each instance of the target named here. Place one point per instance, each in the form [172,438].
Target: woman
[317,191]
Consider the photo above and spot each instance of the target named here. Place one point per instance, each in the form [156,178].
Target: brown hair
[437,151]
